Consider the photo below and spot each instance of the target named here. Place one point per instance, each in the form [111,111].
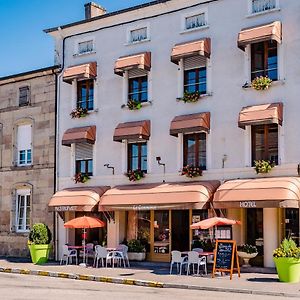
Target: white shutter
[13,211]
[83,151]
[136,73]
[24,137]
[194,62]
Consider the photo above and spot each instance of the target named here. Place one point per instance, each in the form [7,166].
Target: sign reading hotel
[247,204]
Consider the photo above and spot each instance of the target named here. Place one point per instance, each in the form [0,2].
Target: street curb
[144,283]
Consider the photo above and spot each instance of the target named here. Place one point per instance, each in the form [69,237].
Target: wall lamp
[110,167]
[158,159]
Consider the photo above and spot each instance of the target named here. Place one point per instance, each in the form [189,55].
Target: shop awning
[190,123]
[184,50]
[139,130]
[159,195]
[140,61]
[259,192]
[85,71]
[258,34]
[271,113]
[77,199]
[79,135]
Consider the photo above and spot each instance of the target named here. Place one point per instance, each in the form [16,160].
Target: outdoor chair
[197,250]
[89,251]
[115,257]
[194,259]
[177,259]
[100,254]
[68,255]
[124,250]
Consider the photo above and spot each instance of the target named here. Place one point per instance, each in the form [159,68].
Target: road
[25,287]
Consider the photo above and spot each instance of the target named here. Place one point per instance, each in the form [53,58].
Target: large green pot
[39,253]
[288,269]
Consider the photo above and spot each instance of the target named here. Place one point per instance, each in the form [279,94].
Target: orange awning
[139,130]
[85,71]
[79,135]
[77,199]
[259,192]
[159,195]
[184,50]
[271,113]
[258,34]
[190,123]
[138,61]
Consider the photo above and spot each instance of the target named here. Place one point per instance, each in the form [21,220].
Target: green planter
[39,253]
[288,269]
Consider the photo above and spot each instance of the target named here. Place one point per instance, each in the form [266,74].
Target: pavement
[157,276]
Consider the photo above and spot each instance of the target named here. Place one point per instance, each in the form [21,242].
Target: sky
[23,45]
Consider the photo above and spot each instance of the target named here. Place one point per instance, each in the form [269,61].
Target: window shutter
[13,212]
[24,137]
[136,73]
[83,151]
[194,62]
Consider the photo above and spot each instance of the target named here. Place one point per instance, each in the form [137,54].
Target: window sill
[83,54]
[179,99]
[148,103]
[24,167]
[137,43]
[263,12]
[247,86]
[194,29]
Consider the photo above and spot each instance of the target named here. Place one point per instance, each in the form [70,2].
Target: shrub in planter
[135,175]
[190,97]
[261,83]
[191,171]
[287,261]
[79,112]
[81,178]
[263,166]
[246,252]
[39,243]
[136,250]
[134,105]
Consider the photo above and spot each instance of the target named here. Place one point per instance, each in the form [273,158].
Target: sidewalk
[157,275]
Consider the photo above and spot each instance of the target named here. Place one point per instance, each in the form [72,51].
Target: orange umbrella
[215,221]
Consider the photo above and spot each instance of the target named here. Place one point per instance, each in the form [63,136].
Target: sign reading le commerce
[247,204]
[66,208]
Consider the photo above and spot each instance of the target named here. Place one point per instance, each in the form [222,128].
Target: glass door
[180,230]
[292,224]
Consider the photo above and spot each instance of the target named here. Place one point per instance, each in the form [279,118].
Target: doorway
[180,230]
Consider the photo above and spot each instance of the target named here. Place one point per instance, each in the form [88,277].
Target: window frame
[18,150]
[193,14]
[79,41]
[252,13]
[140,90]
[134,28]
[86,161]
[27,89]
[197,83]
[129,156]
[89,85]
[25,194]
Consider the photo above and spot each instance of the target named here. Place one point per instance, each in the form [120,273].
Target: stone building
[27,155]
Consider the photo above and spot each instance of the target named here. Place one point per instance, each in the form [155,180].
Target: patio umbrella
[215,221]
[84,222]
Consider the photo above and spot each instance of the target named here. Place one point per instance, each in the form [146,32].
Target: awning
[257,193]
[79,135]
[184,50]
[77,199]
[139,130]
[271,113]
[85,71]
[258,34]
[139,61]
[159,195]
[190,123]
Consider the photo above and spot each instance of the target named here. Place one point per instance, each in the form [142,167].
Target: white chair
[89,251]
[193,259]
[199,250]
[177,259]
[68,255]
[100,254]
[115,257]
[124,250]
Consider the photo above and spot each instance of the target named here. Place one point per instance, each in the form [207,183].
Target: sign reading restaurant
[247,204]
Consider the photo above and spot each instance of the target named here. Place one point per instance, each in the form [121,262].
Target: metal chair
[177,259]
[68,255]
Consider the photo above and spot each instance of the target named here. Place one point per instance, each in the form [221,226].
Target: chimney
[93,10]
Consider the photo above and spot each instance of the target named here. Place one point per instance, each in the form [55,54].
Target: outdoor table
[204,253]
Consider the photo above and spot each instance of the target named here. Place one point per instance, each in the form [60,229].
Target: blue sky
[24,46]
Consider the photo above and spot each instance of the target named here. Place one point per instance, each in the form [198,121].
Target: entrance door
[180,230]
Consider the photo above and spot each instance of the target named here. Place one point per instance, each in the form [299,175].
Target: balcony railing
[262,5]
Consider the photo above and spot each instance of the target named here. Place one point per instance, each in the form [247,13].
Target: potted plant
[136,250]
[81,177]
[79,112]
[190,97]
[191,171]
[246,252]
[39,243]
[287,261]
[134,105]
[135,175]
[263,166]
[261,83]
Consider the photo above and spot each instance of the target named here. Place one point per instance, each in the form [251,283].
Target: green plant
[135,175]
[191,171]
[40,234]
[247,248]
[263,166]
[261,83]
[190,97]
[287,248]
[79,112]
[135,246]
[81,178]
[134,105]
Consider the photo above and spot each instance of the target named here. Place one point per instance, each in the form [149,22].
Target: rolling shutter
[83,151]
[194,62]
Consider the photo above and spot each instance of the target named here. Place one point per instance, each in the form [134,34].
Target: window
[85,94]
[292,224]
[138,89]
[194,150]
[138,35]
[24,96]
[262,5]
[265,142]
[24,145]
[195,80]
[85,47]
[137,156]
[84,159]
[264,60]
[195,21]
[22,210]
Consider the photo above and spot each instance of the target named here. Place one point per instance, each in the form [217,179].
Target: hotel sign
[247,204]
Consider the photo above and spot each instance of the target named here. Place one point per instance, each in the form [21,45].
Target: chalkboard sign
[226,257]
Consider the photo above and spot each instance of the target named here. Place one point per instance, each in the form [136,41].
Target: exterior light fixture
[110,167]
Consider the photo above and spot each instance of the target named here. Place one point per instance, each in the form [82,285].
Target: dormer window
[86,47]
[138,35]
